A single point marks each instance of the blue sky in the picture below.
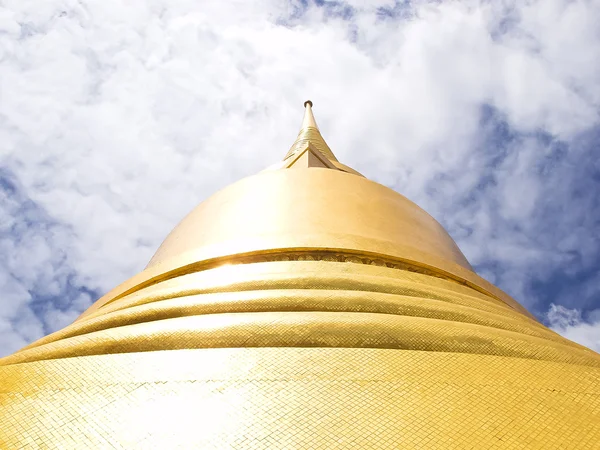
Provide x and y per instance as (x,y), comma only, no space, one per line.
(117,118)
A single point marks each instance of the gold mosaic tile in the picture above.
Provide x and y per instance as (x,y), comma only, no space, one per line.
(302,355)
(299,398)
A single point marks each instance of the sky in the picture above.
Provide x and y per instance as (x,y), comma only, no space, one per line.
(118,117)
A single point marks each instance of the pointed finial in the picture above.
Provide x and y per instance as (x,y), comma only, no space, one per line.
(309,118)
(310,134)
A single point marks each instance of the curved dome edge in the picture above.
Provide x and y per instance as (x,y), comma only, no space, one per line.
(294,204)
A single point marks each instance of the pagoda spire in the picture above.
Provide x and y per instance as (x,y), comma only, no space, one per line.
(310,135)
(309,119)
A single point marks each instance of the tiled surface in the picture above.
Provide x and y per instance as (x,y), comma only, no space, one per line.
(302,355)
(299,398)
(308,304)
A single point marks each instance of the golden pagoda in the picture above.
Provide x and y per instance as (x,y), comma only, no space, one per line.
(305,307)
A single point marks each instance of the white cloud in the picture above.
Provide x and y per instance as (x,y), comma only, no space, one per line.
(570,324)
(116,118)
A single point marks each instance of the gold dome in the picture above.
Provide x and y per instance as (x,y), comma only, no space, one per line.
(304,307)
